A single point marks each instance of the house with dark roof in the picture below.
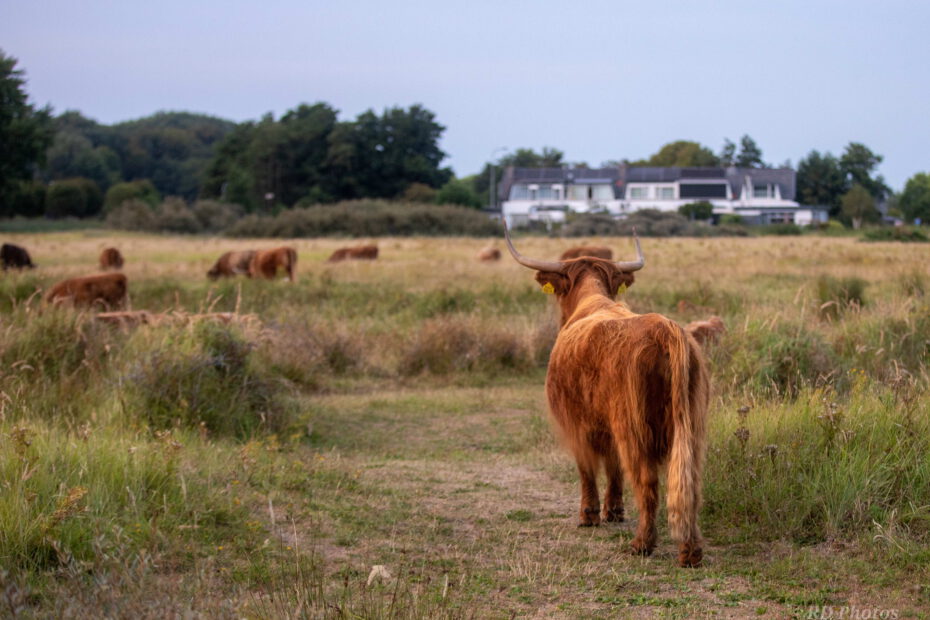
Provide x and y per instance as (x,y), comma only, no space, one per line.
(758,195)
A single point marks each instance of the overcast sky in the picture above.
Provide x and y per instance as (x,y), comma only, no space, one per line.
(599,80)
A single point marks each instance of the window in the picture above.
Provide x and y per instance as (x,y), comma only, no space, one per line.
(761,191)
(601,192)
(781,218)
(639,192)
(702,190)
(519,192)
(545,193)
(665,193)
(578,192)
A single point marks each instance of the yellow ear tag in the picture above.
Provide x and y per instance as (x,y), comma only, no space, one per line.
(548,289)
(622,289)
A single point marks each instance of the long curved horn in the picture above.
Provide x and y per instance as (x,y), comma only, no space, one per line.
(532,263)
(633,265)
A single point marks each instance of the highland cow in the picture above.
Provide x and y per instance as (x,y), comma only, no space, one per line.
(359,252)
(708,331)
(489,254)
(629,392)
(15,257)
(594,251)
(105,289)
(231,264)
(110,258)
(266,263)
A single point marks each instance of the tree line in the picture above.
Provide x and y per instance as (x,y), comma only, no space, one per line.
(70,165)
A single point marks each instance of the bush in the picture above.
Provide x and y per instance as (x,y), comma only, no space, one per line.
(368,218)
(587,225)
(132,214)
(173,215)
(836,295)
(701,210)
(905,234)
(781,230)
(77,197)
(216,216)
(457,192)
(205,375)
(119,193)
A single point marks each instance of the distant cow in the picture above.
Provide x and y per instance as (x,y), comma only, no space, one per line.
(706,331)
(105,289)
(597,251)
(489,254)
(363,252)
(231,264)
(110,258)
(15,257)
(266,263)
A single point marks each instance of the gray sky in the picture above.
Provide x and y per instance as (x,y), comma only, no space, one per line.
(599,80)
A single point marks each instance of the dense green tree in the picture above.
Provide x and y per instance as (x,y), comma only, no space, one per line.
(25,132)
(457,192)
(77,197)
(728,154)
(820,181)
(914,201)
(419,192)
(701,210)
(858,163)
(119,193)
(750,155)
(682,153)
(859,205)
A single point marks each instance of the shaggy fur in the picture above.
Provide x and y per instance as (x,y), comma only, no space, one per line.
(105,289)
(489,254)
(14,256)
(363,252)
(110,258)
(595,251)
(629,392)
(266,263)
(706,331)
(231,264)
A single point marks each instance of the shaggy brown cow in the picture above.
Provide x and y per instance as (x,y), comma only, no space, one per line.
(231,264)
(628,391)
(706,331)
(360,252)
(265,263)
(15,257)
(595,251)
(110,258)
(489,254)
(106,289)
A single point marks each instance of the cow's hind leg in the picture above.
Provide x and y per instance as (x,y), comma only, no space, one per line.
(645,478)
(613,497)
(590,511)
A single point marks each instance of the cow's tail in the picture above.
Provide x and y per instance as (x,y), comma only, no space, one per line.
(688,406)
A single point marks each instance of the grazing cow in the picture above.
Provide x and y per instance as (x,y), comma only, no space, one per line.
(360,252)
(706,331)
(106,289)
(596,251)
(489,254)
(15,257)
(265,263)
(628,391)
(231,264)
(110,258)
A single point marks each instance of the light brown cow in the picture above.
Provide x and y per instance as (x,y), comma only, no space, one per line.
(231,264)
(596,251)
(489,254)
(110,258)
(105,289)
(359,252)
(265,263)
(628,392)
(706,331)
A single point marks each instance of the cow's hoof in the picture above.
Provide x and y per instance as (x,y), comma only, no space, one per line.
(638,547)
(590,517)
(689,555)
(614,516)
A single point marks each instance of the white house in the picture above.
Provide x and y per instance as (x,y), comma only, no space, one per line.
(759,195)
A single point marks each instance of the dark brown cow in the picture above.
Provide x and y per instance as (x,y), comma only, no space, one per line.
(231,264)
(596,251)
(706,331)
(489,254)
(15,257)
(265,263)
(110,258)
(359,252)
(105,289)
(628,392)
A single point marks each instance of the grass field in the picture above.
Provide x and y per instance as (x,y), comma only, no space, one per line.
(391,414)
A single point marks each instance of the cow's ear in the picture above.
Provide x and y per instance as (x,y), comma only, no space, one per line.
(552,282)
(620,282)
